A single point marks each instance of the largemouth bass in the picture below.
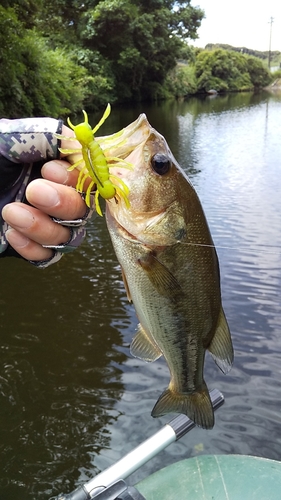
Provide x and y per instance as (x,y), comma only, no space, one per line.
(170,271)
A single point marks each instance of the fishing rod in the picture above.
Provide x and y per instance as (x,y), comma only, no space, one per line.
(110,484)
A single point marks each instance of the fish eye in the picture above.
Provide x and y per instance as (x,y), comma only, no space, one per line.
(161,163)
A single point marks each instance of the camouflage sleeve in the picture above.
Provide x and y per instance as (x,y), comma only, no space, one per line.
(29,140)
(25,145)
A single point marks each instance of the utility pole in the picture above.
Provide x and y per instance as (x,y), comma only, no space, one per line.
(270,32)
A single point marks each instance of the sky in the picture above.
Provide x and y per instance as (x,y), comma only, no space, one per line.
(241,23)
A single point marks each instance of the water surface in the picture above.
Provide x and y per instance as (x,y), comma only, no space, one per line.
(72,399)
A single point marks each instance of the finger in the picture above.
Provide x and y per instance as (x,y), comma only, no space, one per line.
(57,200)
(34,224)
(56,171)
(27,248)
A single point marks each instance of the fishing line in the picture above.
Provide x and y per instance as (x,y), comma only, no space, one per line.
(221,247)
(244,249)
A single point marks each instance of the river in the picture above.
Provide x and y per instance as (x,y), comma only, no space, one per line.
(72,399)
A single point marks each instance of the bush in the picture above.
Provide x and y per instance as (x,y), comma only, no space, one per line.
(276,74)
(34,79)
(11,62)
(225,70)
(260,76)
(181,81)
(56,84)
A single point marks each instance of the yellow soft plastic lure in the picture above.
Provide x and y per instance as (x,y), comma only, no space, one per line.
(95,164)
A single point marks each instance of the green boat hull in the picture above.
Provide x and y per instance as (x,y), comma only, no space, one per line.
(215,477)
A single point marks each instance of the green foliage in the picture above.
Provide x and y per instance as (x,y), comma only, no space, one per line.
(37,81)
(225,70)
(58,54)
(58,84)
(276,74)
(26,11)
(275,54)
(140,40)
(11,61)
(275,58)
(260,76)
(100,84)
(181,81)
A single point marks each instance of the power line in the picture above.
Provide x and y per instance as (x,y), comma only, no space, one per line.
(270,33)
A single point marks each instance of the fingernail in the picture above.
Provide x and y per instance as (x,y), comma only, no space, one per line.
(42,195)
(16,239)
(55,171)
(17,216)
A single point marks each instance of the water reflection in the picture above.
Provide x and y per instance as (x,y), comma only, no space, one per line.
(60,371)
(72,400)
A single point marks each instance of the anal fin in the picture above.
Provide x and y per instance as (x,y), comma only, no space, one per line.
(221,348)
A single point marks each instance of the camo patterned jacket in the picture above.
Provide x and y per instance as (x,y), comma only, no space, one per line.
(25,145)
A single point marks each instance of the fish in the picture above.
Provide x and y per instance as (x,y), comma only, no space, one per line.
(170,271)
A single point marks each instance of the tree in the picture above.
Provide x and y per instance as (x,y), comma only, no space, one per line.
(225,70)
(57,53)
(259,74)
(141,40)
(26,11)
(34,79)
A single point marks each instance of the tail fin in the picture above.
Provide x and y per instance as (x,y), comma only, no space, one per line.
(197,406)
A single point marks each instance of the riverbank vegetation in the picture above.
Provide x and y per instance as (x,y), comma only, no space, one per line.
(58,56)
(225,70)
(275,55)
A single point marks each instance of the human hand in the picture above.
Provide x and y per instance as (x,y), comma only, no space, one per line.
(31,226)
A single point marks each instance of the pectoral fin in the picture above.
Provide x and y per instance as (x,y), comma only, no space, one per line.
(160,276)
(221,347)
(143,346)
